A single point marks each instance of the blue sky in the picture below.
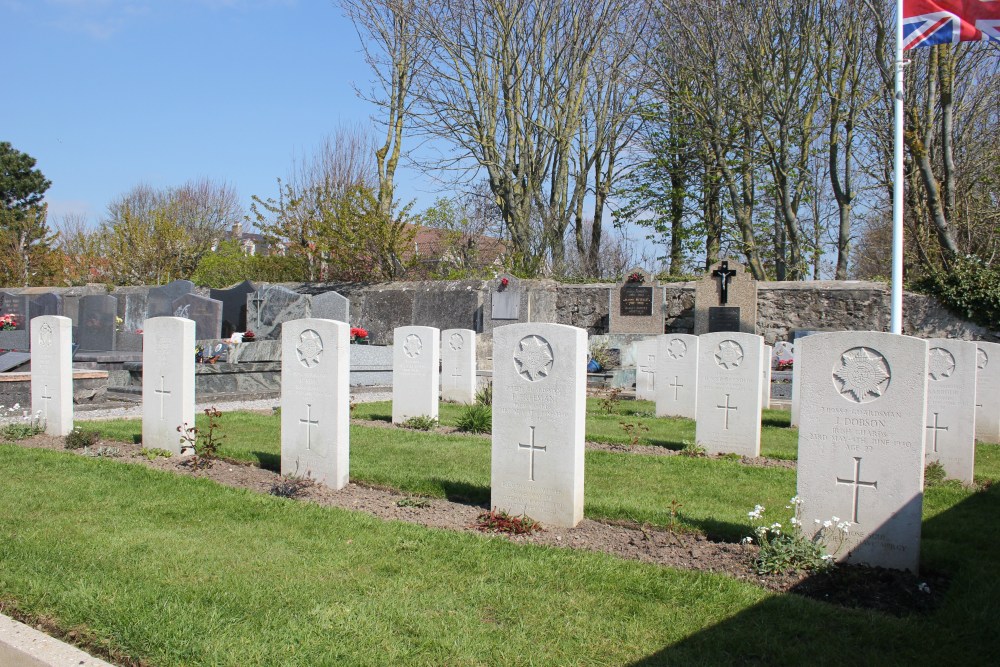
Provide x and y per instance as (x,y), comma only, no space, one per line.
(107,94)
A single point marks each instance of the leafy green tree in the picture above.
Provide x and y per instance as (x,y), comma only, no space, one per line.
(228,265)
(26,241)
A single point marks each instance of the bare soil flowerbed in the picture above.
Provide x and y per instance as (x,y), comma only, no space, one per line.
(893,592)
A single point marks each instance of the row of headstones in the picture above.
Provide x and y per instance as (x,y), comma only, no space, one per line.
(861,443)
(224,312)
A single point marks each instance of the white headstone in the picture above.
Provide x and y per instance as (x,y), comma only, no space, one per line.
(677,368)
(415,376)
(52,372)
(458,365)
(315,400)
(765,394)
(539,408)
(645,370)
(797,384)
(730,379)
(951,406)
(988,392)
(861,442)
(167,382)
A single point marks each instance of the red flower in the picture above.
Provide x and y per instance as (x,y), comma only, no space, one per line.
(358,332)
(504,282)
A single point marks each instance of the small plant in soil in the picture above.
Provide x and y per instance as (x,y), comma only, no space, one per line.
(102,452)
(502,522)
(19,424)
(484,395)
(784,549)
(153,453)
(291,487)
(475,419)
(934,474)
(632,431)
(79,438)
(610,400)
(204,441)
(692,449)
(419,503)
(420,423)
(675,512)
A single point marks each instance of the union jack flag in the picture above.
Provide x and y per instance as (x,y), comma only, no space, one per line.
(930,22)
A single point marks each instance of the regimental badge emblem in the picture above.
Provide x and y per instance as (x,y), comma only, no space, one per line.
(310,348)
(413,346)
(457,341)
(533,358)
(45,335)
(862,376)
(677,349)
(940,364)
(729,354)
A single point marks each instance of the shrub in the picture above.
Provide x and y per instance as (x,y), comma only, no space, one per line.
(632,431)
(934,474)
(693,449)
(79,438)
(784,549)
(22,430)
(291,487)
(420,423)
(205,442)
(970,289)
(484,395)
(476,419)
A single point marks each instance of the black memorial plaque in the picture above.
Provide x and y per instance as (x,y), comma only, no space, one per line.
(723,318)
(636,301)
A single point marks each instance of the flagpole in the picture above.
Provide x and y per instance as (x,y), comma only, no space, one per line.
(896,313)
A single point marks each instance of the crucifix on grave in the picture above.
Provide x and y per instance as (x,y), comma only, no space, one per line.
(532,448)
(724,274)
(727,408)
(676,384)
(309,422)
(163,394)
(257,300)
(857,484)
(935,428)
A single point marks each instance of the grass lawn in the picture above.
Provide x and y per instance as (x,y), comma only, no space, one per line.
(180,571)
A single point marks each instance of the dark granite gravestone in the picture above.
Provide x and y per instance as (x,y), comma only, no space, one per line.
(96,329)
(331,306)
(234,306)
(206,313)
(636,305)
(159,302)
(11,360)
(46,304)
(17,305)
(636,300)
(271,306)
(723,318)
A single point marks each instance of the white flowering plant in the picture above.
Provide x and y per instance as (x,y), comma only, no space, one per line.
(17,423)
(783,548)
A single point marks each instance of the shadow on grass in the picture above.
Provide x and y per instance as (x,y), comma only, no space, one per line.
(463,492)
(673,445)
(269,461)
(961,544)
(776,422)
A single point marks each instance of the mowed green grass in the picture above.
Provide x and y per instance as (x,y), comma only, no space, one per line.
(180,571)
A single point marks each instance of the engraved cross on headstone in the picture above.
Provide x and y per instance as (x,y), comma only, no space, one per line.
(46,396)
(727,408)
(257,300)
(650,370)
(309,423)
(936,427)
(456,374)
(724,274)
(163,394)
(676,384)
(532,448)
(857,484)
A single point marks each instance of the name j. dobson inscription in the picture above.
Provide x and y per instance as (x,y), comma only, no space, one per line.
(636,301)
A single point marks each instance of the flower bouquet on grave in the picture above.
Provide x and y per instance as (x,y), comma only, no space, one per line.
(359,336)
(249,337)
(8,322)
(636,278)
(784,365)
(504,282)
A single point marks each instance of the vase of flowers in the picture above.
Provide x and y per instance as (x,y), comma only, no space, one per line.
(249,337)
(359,336)
(8,322)
(635,278)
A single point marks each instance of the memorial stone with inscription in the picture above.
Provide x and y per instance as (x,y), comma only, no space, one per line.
(206,313)
(96,323)
(272,305)
(645,370)
(234,306)
(730,380)
(677,370)
(539,407)
(505,298)
(636,306)
(725,299)
(160,300)
(415,373)
(458,365)
(45,304)
(988,392)
(951,406)
(861,442)
(167,382)
(315,400)
(52,372)
(17,305)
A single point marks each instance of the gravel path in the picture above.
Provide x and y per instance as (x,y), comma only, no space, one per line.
(260,405)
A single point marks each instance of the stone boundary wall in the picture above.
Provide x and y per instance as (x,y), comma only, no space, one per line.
(782,307)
